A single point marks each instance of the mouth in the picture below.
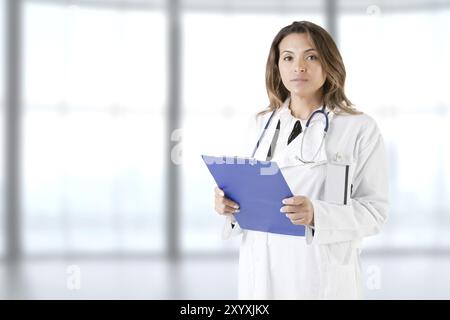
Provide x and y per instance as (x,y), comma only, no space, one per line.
(299,80)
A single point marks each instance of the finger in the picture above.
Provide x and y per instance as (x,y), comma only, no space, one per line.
(290,209)
(230,203)
(223,213)
(224,209)
(300,219)
(226,201)
(299,222)
(222,201)
(219,192)
(297,200)
(295,216)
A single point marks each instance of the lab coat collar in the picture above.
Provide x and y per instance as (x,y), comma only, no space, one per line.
(285,112)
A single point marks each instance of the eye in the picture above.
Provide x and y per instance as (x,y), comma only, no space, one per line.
(311,58)
(287,58)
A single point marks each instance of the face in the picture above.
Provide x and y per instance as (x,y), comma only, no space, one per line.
(300,68)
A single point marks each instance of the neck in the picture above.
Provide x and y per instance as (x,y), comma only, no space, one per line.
(302,107)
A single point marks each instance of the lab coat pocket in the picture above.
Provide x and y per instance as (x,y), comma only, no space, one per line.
(338,182)
(341,274)
(341,282)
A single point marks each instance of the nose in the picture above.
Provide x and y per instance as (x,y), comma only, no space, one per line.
(300,68)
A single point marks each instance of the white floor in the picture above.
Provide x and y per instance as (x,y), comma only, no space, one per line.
(386,277)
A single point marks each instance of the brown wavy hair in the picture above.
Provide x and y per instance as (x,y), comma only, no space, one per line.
(330,58)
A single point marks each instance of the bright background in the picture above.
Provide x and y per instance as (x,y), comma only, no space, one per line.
(106,99)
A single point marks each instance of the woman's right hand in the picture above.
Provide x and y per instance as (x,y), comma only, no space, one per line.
(224,205)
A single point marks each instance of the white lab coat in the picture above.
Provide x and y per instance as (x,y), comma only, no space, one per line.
(323,265)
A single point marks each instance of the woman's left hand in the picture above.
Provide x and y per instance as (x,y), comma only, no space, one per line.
(299,210)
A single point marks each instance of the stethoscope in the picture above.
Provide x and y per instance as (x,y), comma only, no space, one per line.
(316,113)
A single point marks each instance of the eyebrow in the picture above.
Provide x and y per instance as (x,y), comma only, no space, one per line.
(307,50)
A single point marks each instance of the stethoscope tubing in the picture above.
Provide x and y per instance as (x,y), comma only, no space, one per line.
(322,110)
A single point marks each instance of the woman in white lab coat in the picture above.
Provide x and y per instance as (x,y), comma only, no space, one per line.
(340,182)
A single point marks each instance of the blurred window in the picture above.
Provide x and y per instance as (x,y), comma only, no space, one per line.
(398,66)
(2,128)
(94,90)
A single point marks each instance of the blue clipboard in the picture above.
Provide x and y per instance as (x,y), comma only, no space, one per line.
(258,187)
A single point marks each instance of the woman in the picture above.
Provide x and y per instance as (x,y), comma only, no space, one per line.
(339,179)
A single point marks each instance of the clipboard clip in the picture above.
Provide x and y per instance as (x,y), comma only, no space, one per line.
(252,161)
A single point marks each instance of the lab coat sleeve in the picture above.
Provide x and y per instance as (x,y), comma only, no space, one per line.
(231,228)
(369,205)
